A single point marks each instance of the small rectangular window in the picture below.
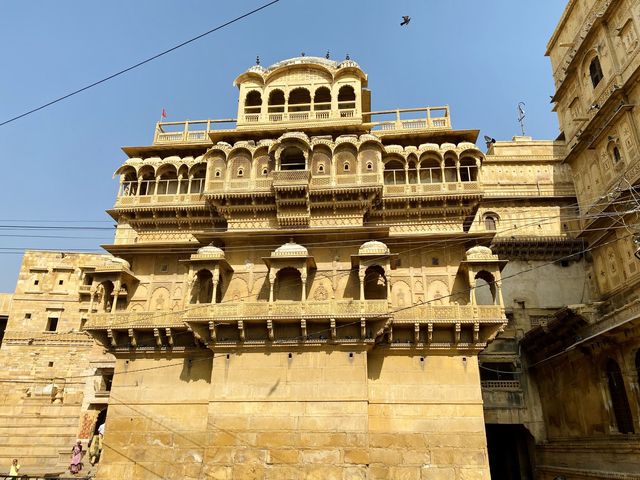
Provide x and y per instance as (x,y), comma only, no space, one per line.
(52,324)
(36,282)
(60,282)
(27,316)
(51,364)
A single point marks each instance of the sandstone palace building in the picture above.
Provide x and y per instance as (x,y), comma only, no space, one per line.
(319,290)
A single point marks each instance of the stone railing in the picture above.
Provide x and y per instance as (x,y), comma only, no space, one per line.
(308,309)
(291,178)
(448,313)
(501,384)
(529,189)
(189,131)
(344,180)
(431,188)
(433,118)
(157,319)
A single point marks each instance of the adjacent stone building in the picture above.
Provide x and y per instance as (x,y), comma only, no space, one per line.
(319,290)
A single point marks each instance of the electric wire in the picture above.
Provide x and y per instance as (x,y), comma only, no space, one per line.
(139,64)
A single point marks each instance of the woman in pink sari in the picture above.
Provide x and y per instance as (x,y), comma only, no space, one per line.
(76,458)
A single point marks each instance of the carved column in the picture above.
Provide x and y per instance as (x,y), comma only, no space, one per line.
(272,281)
(458,170)
(303,278)
(155,187)
(116,290)
(215,280)
(361,277)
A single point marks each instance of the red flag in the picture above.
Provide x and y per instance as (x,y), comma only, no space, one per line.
(164,113)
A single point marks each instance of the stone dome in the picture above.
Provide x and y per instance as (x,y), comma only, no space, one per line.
(257,69)
(479,252)
(291,249)
(211,251)
(348,63)
(373,247)
(120,261)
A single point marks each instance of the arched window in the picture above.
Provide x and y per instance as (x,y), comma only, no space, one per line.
(490,221)
(265,171)
(375,283)
(253,102)
(347,166)
(468,170)
(394,173)
(147,181)
(299,100)
(595,72)
(614,150)
(292,159)
(430,171)
(105,295)
(412,172)
(276,101)
(619,400)
(288,285)
(218,173)
(369,166)
(168,181)
(240,172)
(321,168)
(202,291)
(322,99)
(346,97)
(450,170)
(485,291)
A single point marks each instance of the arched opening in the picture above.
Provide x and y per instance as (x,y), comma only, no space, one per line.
(595,72)
(375,283)
(638,366)
(102,416)
(430,171)
(412,173)
(105,293)
(619,400)
(147,181)
(253,102)
(450,170)
(288,285)
(299,100)
(123,297)
(197,179)
(468,170)
(346,97)
(394,173)
(129,182)
(168,181)
(292,159)
(276,101)
(322,99)
(485,291)
(490,221)
(202,291)
(614,152)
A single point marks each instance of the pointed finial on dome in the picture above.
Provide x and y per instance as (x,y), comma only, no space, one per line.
(327,55)
(348,57)
(302,54)
(257,59)
(290,239)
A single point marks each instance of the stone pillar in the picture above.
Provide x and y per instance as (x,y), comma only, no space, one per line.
(215,280)
(303,277)
(116,290)
(361,277)
(458,170)
(272,281)
(155,187)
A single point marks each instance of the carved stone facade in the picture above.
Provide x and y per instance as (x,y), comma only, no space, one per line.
(320,291)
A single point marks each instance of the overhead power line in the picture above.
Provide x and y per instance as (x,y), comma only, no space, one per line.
(139,64)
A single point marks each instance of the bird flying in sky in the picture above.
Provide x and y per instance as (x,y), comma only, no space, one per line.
(405,20)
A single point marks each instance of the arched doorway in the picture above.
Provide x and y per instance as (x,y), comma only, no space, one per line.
(619,400)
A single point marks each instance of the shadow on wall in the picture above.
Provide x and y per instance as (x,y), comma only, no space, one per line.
(197,368)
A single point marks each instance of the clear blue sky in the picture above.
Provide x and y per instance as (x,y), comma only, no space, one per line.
(481,58)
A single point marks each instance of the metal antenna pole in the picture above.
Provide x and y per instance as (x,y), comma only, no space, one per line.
(521,116)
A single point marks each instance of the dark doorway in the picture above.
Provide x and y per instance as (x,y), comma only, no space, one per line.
(3,327)
(509,452)
(619,399)
(102,417)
